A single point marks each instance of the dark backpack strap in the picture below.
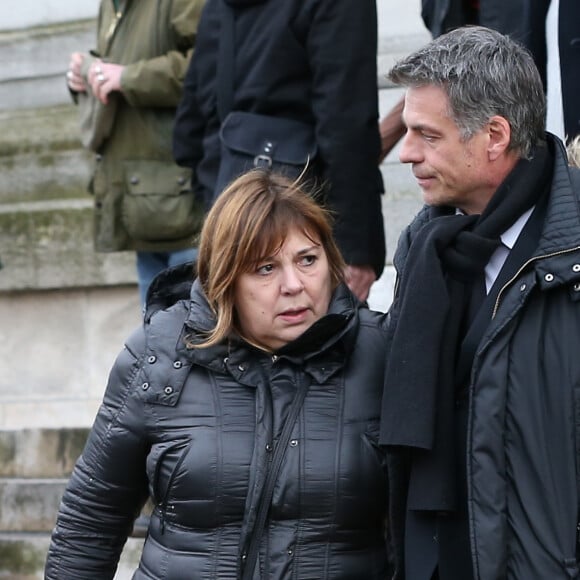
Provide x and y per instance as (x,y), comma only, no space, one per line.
(250,558)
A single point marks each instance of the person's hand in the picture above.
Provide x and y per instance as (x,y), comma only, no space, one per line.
(104,78)
(74,79)
(360,279)
(391,129)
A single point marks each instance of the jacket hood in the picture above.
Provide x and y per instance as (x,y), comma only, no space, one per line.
(336,328)
(168,287)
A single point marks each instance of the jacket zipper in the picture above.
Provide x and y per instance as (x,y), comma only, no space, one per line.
(165,500)
(522,268)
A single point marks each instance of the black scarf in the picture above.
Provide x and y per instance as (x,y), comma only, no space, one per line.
(426,329)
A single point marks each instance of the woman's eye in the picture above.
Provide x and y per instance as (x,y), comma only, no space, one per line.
(308,260)
(265,269)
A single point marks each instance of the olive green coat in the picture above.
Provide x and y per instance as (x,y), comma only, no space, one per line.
(141,196)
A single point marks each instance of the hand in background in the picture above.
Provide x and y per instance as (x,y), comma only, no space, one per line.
(74,77)
(391,129)
(360,279)
(104,78)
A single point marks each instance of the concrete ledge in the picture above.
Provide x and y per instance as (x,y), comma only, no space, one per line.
(36,453)
(29,505)
(48,245)
(57,350)
(22,556)
(34,62)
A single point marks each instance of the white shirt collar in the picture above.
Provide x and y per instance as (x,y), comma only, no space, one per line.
(510,236)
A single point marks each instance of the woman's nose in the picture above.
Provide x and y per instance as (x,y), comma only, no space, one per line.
(291,281)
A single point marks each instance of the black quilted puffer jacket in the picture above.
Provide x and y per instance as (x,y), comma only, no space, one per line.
(196,430)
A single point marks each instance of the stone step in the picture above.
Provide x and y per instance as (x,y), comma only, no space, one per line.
(29,505)
(46,245)
(40,453)
(41,157)
(35,60)
(22,556)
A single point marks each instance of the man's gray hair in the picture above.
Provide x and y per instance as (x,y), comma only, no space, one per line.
(483,73)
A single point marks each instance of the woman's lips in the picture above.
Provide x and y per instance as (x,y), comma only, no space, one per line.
(294,315)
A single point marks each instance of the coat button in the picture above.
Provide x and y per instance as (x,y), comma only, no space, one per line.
(151,359)
(241,368)
(134,180)
(549,277)
(577,287)
(168,390)
(268,447)
(290,551)
(294,443)
(145,386)
(523,287)
(177,364)
(576,268)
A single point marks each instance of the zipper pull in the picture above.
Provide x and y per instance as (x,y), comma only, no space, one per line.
(113,26)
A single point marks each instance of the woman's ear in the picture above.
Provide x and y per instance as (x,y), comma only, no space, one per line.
(499,133)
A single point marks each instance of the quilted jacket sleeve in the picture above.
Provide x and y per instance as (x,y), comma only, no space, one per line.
(108,486)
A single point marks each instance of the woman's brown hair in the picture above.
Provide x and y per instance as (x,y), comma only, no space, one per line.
(248,221)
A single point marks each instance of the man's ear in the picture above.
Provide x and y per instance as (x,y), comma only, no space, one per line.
(499,132)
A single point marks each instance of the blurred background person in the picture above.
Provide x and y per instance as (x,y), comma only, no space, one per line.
(311,66)
(142,199)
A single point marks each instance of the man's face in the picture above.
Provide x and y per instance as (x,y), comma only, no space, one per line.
(449,171)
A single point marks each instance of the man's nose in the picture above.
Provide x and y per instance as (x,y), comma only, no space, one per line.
(409,151)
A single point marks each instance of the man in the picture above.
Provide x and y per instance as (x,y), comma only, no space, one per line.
(482,390)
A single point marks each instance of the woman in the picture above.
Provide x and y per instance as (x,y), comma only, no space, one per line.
(203,411)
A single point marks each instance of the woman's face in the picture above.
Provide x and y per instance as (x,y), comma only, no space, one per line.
(285,294)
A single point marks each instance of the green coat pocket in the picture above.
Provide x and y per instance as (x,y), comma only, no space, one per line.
(159,204)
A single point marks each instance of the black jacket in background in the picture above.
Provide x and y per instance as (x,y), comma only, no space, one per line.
(309,60)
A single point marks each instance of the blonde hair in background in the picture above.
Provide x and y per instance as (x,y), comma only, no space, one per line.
(248,222)
(573,150)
